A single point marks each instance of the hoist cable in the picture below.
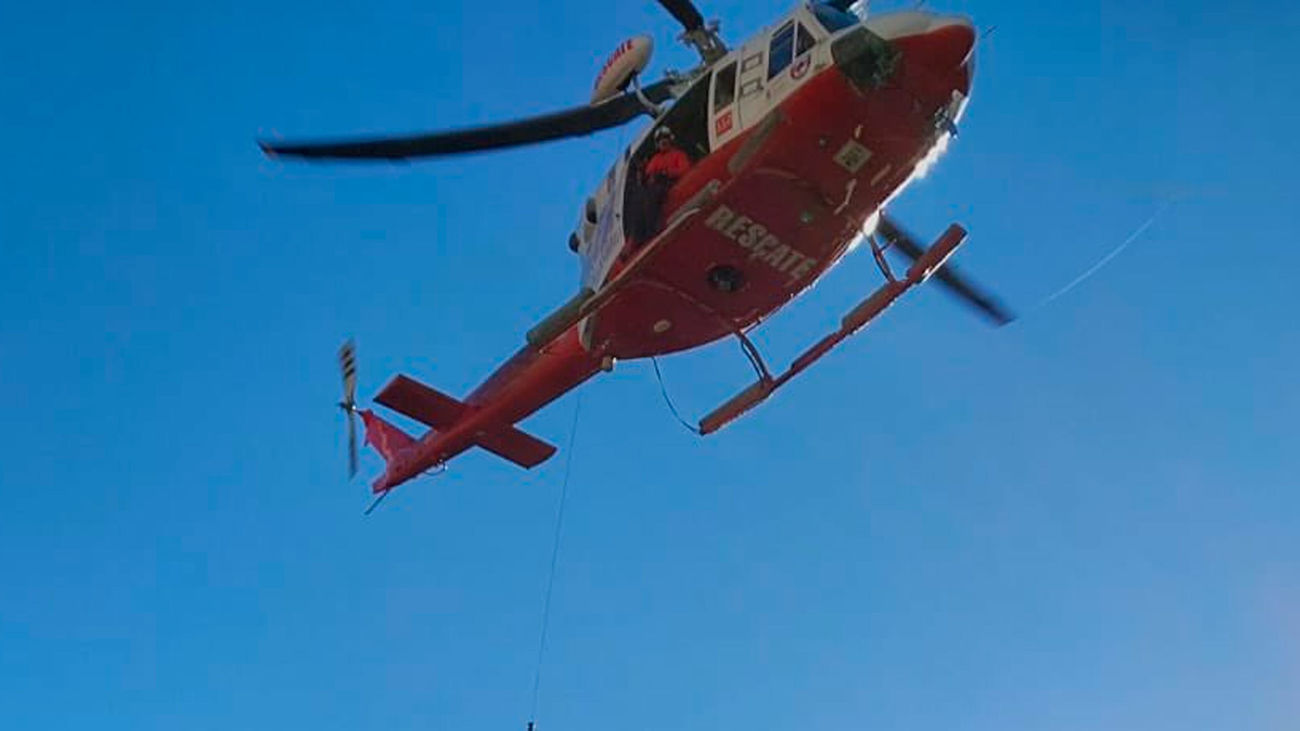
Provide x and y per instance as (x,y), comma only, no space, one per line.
(555,555)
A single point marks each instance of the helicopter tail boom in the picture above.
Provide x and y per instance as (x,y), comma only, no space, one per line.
(441,412)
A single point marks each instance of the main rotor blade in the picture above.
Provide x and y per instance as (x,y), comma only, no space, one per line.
(573,122)
(685,12)
(948,275)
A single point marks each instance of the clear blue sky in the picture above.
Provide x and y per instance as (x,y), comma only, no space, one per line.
(1086,520)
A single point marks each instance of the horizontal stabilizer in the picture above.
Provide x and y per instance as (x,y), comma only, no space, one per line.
(411,398)
(512,444)
(441,412)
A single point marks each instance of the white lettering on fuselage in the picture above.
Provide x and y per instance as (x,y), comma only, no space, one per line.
(761,245)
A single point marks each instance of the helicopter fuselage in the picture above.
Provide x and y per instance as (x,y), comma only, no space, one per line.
(798,138)
(800,161)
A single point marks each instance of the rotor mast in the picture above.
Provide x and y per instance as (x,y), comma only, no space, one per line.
(701,36)
(706,41)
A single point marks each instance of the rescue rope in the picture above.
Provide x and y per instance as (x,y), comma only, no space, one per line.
(555,554)
(669,401)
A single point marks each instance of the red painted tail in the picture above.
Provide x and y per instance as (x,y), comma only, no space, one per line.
(444,413)
(387,439)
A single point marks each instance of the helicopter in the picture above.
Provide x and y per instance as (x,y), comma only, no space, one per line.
(790,145)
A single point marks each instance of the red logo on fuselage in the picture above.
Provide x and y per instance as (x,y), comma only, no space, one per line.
(723,123)
(801,66)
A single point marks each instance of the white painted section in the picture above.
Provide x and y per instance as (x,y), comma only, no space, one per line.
(601,247)
(724,120)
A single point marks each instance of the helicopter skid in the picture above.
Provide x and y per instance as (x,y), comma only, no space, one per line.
(856,319)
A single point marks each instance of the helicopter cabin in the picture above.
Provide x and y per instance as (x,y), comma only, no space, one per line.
(740,89)
(733,95)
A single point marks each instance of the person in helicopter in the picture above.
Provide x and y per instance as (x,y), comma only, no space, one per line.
(669,161)
(664,168)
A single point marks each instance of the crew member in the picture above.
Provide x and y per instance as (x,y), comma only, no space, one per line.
(668,164)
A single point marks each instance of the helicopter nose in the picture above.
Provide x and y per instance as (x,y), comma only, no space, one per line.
(941,43)
(950,44)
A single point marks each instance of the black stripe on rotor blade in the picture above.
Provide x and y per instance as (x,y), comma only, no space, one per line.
(948,275)
(685,12)
(574,122)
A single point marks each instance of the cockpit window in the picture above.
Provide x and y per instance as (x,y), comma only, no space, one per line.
(781,52)
(833,19)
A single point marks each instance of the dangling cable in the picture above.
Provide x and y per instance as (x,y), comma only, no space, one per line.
(668,399)
(1134,236)
(555,554)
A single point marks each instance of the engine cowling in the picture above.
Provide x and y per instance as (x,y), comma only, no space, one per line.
(630,58)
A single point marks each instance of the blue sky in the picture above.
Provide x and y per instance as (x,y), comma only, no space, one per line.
(1086,520)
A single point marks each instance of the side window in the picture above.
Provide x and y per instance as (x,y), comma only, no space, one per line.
(781,52)
(724,87)
(806,41)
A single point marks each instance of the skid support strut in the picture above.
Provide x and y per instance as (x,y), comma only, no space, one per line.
(857,318)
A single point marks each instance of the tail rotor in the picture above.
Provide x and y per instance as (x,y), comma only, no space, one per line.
(348,365)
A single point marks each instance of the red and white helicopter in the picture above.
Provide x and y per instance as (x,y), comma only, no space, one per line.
(795,141)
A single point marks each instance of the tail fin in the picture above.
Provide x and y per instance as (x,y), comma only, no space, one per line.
(387,439)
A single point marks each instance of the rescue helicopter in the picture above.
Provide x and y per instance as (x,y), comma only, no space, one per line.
(782,154)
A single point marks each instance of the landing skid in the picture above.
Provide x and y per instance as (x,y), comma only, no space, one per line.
(857,318)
